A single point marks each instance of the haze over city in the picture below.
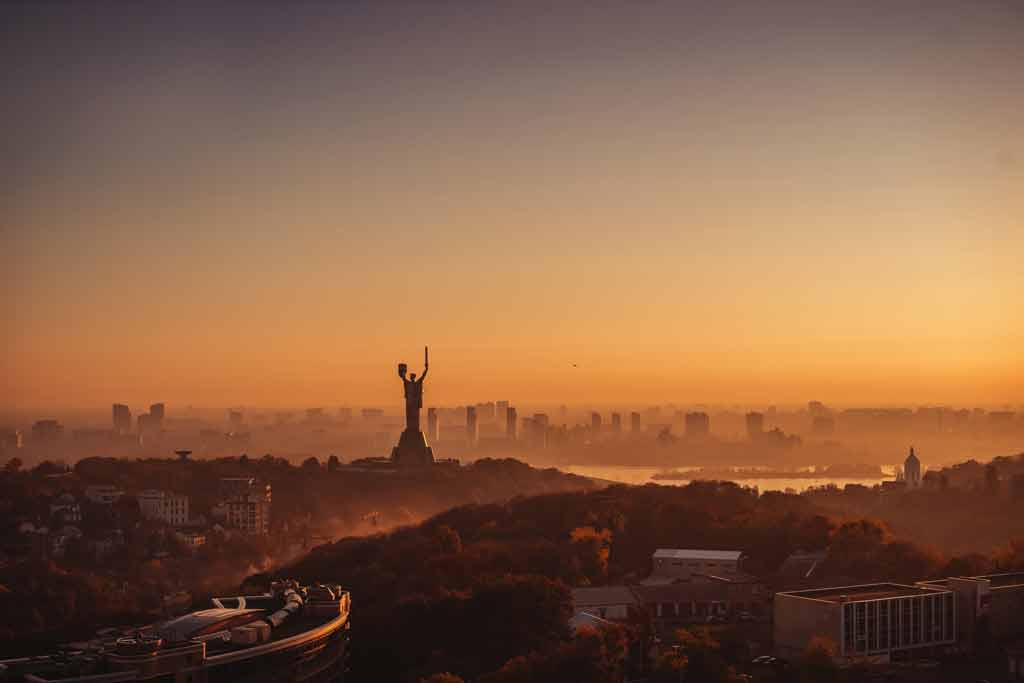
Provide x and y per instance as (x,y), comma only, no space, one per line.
(582,204)
(512,342)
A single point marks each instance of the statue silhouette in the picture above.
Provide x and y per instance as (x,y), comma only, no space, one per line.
(414,393)
(412,448)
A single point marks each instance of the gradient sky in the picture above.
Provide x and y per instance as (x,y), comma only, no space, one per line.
(272,204)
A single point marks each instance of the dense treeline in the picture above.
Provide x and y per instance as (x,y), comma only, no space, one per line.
(45,600)
(963,509)
(416,588)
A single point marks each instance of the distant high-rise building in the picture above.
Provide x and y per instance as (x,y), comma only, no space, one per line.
(10,439)
(122,417)
(372,414)
(912,470)
(634,422)
(147,423)
(485,411)
(537,430)
(755,425)
(157,411)
(471,428)
(511,423)
(595,423)
(235,419)
(698,424)
(823,424)
(46,431)
(616,423)
(501,411)
(432,424)
(816,408)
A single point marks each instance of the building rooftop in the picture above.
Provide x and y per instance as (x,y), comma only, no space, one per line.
(1007,580)
(1004,580)
(690,554)
(603,595)
(870,591)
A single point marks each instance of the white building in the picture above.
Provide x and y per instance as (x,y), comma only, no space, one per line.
(171,508)
(103,494)
(682,563)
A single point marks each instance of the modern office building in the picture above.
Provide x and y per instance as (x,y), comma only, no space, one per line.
(511,424)
(595,423)
(879,622)
(698,424)
(157,410)
(634,422)
(995,600)
(616,423)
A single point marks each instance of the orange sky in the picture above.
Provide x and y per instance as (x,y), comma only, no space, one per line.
(760,205)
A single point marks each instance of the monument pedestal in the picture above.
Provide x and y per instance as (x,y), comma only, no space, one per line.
(412,449)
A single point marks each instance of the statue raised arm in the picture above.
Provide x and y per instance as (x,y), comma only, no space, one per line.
(426,365)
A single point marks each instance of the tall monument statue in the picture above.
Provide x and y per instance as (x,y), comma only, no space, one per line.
(412,448)
(414,392)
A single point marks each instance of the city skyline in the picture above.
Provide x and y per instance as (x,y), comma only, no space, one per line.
(739,204)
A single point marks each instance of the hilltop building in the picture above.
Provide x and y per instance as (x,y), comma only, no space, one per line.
(245,503)
(912,470)
(164,506)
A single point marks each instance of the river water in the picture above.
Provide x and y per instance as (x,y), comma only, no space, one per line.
(642,475)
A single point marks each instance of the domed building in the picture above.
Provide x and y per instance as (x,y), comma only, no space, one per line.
(912,470)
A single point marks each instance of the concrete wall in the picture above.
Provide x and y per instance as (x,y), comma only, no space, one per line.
(798,620)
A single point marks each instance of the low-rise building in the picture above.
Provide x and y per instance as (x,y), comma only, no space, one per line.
(103,494)
(880,621)
(996,600)
(606,602)
(682,563)
(671,605)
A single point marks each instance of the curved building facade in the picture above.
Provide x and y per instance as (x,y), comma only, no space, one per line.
(292,633)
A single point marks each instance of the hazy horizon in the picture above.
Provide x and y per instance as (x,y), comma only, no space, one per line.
(595,203)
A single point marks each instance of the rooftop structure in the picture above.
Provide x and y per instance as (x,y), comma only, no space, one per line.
(689,554)
(878,621)
(293,632)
